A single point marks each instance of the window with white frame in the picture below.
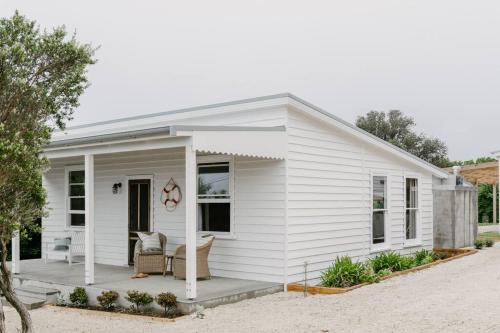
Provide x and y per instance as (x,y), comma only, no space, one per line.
(214,196)
(76,197)
(379,209)
(412,207)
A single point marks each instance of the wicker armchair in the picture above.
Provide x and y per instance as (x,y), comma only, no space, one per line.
(150,262)
(202,270)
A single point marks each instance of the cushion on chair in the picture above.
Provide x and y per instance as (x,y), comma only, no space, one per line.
(61,244)
(151,242)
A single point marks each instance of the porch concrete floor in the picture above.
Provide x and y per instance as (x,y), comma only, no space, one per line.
(119,279)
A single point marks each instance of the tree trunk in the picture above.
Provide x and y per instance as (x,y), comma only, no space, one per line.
(2,319)
(10,296)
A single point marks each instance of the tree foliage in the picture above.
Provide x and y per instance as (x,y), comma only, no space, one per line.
(485,203)
(42,75)
(476,161)
(398,129)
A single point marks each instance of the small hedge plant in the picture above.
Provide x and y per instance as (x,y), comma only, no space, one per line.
(345,273)
(489,242)
(424,257)
(79,297)
(392,261)
(138,299)
(168,302)
(107,299)
(479,244)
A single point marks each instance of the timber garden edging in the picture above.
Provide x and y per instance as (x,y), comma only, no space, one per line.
(455,254)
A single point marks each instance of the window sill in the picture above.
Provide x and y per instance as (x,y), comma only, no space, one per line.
(74,228)
(377,249)
(217,235)
(413,243)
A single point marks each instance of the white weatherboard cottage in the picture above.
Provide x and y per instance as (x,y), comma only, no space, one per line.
(288,183)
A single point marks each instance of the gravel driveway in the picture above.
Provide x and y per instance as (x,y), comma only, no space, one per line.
(459,296)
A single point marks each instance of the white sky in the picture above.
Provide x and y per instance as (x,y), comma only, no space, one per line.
(438,61)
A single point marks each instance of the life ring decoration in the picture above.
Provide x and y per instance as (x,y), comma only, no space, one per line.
(171,195)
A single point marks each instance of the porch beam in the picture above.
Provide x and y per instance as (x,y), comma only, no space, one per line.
(115,147)
(89,219)
(190,201)
(16,253)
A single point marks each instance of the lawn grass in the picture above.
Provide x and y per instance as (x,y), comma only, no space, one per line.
(490,235)
(487,224)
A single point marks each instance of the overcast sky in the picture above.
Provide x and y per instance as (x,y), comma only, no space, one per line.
(437,61)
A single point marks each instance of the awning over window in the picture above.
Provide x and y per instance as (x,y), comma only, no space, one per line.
(262,142)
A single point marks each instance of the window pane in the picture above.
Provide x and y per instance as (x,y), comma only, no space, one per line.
(77,219)
(214,217)
(411,224)
(213,180)
(379,192)
(77,203)
(77,176)
(411,193)
(77,190)
(378,227)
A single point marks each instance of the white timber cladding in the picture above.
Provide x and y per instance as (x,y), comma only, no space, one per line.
(329,198)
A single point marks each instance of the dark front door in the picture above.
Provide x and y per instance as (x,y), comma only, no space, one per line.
(139,208)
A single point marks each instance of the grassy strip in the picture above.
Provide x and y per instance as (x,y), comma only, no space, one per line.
(495,236)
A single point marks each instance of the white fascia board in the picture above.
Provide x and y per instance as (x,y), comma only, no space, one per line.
(363,135)
(116,147)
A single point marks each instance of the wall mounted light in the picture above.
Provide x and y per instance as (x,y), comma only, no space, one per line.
(117,187)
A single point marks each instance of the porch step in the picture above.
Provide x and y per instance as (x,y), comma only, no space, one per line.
(29,302)
(34,291)
(34,297)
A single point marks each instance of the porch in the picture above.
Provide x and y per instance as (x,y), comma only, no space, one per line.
(64,278)
(84,196)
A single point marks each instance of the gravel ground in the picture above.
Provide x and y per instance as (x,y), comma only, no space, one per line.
(460,296)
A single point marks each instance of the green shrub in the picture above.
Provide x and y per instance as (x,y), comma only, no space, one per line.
(390,261)
(138,299)
(383,273)
(79,297)
(406,263)
(424,257)
(479,244)
(168,302)
(107,299)
(344,273)
(489,242)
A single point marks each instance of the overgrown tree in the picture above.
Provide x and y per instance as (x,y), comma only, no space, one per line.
(42,75)
(398,129)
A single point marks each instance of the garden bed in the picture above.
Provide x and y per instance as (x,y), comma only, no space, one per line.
(121,312)
(446,254)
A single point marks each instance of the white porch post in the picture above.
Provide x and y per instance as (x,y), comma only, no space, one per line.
(190,199)
(16,253)
(89,219)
